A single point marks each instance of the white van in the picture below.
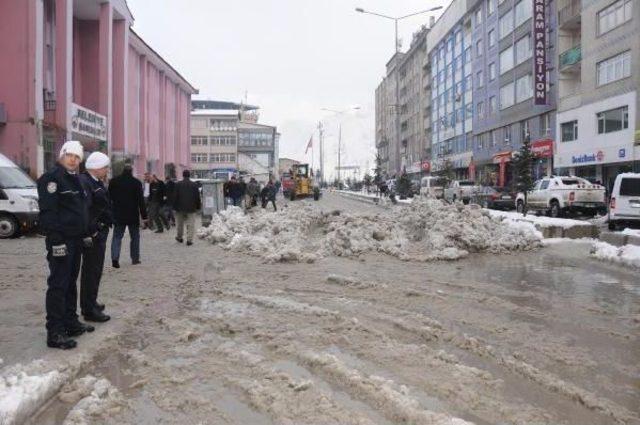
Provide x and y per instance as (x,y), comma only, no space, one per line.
(432,187)
(18,200)
(624,205)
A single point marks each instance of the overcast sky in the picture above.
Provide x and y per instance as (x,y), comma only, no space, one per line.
(291,57)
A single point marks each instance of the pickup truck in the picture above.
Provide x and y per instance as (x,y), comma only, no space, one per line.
(462,190)
(557,196)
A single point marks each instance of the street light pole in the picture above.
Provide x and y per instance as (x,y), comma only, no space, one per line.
(340,113)
(397,50)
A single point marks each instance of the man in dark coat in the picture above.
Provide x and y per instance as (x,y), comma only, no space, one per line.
(186,203)
(100,220)
(64,221)
(169,193)
(127,199)
(235,192)
(156,201)
(268,194)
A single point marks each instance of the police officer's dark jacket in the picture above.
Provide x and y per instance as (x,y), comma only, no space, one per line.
(98,203)
(63,205)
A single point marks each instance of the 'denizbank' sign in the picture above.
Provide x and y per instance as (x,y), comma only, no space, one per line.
(587,158)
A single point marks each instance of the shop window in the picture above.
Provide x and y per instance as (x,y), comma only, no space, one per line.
(569,131)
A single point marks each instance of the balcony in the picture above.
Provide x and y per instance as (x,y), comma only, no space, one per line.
(570,59)
(49,100)
(569,17)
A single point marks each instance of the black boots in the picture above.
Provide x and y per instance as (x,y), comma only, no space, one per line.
(78,329)
(115,264)
(97,316)
(59,340)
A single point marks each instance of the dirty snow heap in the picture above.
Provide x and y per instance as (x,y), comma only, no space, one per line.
(424,231)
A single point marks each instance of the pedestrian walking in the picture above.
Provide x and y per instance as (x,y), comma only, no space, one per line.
(64,221)
(128,206)
(235,192)
(268,194)
(253,191)
(186,203)
(100,220)
(243,190)
(169,193)
(156,201)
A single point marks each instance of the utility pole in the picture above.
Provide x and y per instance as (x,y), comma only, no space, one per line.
(321,140)
(339,149)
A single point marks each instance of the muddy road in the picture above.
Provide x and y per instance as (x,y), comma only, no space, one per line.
(202,335)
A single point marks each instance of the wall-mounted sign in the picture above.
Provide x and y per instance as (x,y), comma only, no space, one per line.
(540,52)
(88,123)
(542,148)
(588,158)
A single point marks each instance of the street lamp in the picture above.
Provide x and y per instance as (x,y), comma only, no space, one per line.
(337,112)
(396,19)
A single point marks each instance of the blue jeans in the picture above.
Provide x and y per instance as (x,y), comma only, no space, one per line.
(116,242)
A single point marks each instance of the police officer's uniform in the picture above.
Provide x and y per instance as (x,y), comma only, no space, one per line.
(100,219)
(64,221)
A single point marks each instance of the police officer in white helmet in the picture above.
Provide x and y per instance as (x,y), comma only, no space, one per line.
(64,221)
(100,220)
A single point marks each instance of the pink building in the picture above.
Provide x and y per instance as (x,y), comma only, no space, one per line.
(74,69)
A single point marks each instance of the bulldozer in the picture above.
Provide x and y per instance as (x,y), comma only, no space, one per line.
(303,183)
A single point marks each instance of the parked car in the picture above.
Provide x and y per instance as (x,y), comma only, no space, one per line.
(496,198)
(432,186)
(460,190)
(624,205)
(557,196)
(18,200)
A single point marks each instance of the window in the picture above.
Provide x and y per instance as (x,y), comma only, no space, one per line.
(630,186)
(198,140)
(506,24)
(545,125)
(480,109)
(478,16)
(492,71)
(491,7)
(223,125)
(480,141)
(506,96)
(468,111)
(467,83)
(524,130)
(492,38)
(507,135)
(613,120)
(615,68)
(458,37)
(614,15)
(493,138)
(467,55)
(524,9)
(506,60)
(544,185)
(569,131)
(480,78)
(523,49)
(223,157)
(479,48)
(524,88)
(199,157)
(493,105)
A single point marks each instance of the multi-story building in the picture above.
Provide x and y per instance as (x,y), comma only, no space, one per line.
(227,139)
(450,53)
(258,150)
(387,118)
(76,70)
(599,75)
(504,110)
(214,143)
(413,97)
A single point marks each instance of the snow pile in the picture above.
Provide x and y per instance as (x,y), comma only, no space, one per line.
(542,221)
(24,388)
(627,255)
(427,230)
(631,232)
(93,398)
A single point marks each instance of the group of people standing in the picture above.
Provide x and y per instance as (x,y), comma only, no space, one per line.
(236,191)
(77,210)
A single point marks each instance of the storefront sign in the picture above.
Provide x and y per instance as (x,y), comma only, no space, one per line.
(542,148)
(540,52)
(587,158)
(413,168)
(88,123)
(426,166)
(502,157)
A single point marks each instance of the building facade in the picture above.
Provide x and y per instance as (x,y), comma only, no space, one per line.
(83,74)
(387,118)
(230,141)
(214,143)
(504,111)
(598,109)
(450,53)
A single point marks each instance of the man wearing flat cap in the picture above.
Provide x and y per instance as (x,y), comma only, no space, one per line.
(100,220)
(64,221)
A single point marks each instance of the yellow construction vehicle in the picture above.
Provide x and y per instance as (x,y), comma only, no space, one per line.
(303,183)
